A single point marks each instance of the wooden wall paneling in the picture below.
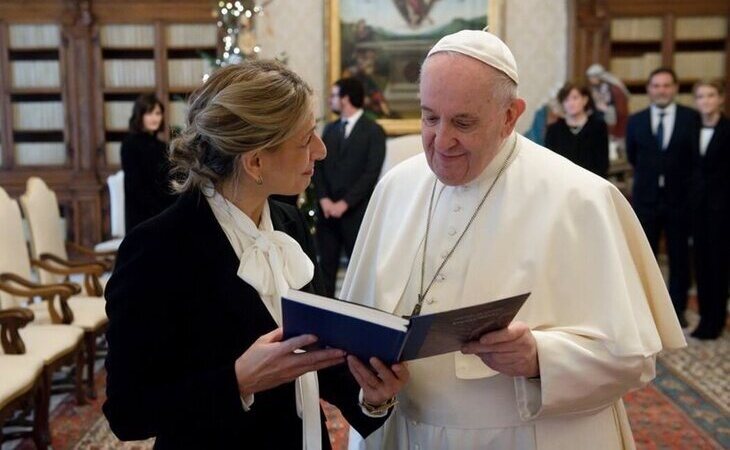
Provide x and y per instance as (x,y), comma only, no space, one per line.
(6,123)
(151,10)
(660,7)
(572,35)
(589,36)
(103,166)
(30,11)
(162,80)
(78,30)
(668,40)
(590,14)
(69,96)
(85,187)
(727,66)
(97,82)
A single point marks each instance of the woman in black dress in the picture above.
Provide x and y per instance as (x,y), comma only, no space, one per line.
(145,164)
(196,355)
(580,136)
(711,209)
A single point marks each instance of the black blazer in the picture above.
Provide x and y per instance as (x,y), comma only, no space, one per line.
(711,174)
(351,168)
(650,161)
(179,317)
(146,178)
(588,148)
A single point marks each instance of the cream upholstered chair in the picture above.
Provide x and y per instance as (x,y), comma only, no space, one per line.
(51,337)
(398,149)
(85,312)
(21,382)
(48,245)
(115,183)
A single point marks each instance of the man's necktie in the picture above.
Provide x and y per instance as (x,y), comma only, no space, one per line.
(341,136)
(660,131)
(343,127)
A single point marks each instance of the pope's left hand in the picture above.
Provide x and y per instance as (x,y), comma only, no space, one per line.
(511,351)
(380,385)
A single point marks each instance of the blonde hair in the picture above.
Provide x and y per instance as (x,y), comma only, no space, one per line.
(255,105)
(715,84)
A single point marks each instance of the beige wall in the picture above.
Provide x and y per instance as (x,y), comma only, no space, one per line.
(296,27)
(537,33)
(535,30)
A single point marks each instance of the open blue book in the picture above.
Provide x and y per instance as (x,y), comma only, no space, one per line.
(365,332)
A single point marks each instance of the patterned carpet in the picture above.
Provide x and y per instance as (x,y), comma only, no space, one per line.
(686,407)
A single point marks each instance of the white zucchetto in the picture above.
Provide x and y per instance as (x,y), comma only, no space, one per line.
(480,45)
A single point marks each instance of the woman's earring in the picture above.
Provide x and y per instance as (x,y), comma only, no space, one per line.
(259,180)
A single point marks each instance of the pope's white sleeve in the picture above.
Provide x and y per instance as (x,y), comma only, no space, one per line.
(578,375)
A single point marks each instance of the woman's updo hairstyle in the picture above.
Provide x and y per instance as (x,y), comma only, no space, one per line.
(255,105)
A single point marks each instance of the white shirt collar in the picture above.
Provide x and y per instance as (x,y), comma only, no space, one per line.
(669,110)
(351,121)
(271,261)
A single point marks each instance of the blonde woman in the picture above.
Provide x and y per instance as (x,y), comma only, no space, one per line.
(196,358)
(711,209)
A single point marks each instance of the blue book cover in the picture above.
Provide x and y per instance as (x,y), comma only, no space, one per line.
(365,332)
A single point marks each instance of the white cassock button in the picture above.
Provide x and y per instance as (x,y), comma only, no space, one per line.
(457,208)
(430,301)
(441,277)
(444,254)
(452,231)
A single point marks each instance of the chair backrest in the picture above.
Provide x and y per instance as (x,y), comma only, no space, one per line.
(398,149)
(116,203)
(13,248)
(40,208)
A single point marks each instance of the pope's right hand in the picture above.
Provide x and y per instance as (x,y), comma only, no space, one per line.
(270,362)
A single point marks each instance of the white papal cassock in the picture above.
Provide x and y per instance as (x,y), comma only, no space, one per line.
(599,309)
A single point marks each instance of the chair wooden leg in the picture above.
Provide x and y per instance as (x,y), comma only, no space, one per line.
(90,340)
(79,378)
(42,400)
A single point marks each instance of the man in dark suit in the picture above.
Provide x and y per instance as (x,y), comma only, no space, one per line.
(345,180)
(659,142)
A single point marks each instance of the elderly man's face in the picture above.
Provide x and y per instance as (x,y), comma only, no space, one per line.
(463,124)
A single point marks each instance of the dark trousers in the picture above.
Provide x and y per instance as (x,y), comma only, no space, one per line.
(334,236)
(712,266)
(675,224)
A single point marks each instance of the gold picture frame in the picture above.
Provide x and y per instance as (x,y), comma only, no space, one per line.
(396,121)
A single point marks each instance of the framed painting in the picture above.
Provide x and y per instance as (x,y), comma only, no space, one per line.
(384,42)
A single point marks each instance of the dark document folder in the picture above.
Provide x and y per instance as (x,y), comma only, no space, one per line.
(365,332)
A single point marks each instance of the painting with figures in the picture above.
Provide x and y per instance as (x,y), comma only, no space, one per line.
(384,42)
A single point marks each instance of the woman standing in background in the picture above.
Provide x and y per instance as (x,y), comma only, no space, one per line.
(145,164)
(711,209)
(580,136)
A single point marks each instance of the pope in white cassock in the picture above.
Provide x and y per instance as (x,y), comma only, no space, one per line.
(485,214)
